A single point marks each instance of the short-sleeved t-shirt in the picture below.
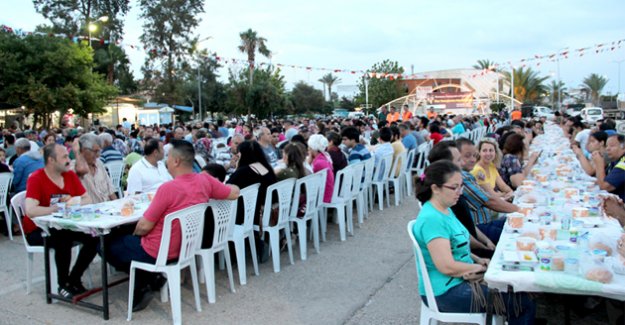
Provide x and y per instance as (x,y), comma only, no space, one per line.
(358,153)
(432,224)
(39,187)
(476,199)
(616,178)
(182,192)
(516,115)
(488,180)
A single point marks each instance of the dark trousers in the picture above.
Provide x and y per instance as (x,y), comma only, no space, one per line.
(493,229)
(62,241)
(458,300)
(122,249)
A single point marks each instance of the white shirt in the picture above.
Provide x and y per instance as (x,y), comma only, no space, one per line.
(144,177)
(582,137)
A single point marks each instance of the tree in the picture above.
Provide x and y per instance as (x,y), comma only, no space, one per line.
(167,31)
(556,89)
(594,83)
(328,80)
(485,65)
(347,103)
(306,99)
(213,91)
(49,74)
(250,42)
(265,97)
(528,85)
(382,90)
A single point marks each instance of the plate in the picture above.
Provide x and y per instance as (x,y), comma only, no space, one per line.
(519,257)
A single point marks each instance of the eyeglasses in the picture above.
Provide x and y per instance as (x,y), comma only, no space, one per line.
(97,152)
(457,188)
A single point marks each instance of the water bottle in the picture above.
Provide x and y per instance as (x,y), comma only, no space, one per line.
(565,222)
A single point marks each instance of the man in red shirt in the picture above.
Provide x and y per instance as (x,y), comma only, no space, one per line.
(185,190)
(56,183)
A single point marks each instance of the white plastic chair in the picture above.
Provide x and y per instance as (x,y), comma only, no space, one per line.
(284,191)
(311,183)
(341,198)
(191,222)
(396,175)
(5,183)
(367,192)
(224,212)
(357,192)
(116,170)
(407,173)
(382,184)
(246,231)
(430,311)
(200,161)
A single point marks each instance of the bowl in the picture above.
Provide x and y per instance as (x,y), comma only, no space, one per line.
(526,243)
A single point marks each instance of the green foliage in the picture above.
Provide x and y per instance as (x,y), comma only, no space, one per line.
(529,87)
(46,74)
(213,91)
(250,42)
(306,99)
(382,91)
(168,27)
(347,104)
(265,96)
(485,64)
(594,84)
(497,107)
(555,89)
(328,81)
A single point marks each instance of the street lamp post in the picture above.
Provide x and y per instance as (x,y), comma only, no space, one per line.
(92,27)
(199,78)
(512,89)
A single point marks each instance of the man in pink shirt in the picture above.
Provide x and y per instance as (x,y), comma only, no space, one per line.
(185,190)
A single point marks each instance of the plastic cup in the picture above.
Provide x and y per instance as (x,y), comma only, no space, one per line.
(515,220)
(580,212)
(571,266)
(526,243)
(545,257)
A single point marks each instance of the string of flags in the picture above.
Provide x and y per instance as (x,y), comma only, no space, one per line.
(526,62)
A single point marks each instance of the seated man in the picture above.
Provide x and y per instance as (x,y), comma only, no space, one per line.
(613,178)
(91,170)
(185,190)
(357,151)
(27,162)
(108,153)
(150,172)
(56,183)
(383,149)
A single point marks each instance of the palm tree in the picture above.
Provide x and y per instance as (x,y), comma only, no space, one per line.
(328,80)
(556,89)
(594,84)
(250,42)
(485,64)
(528,85)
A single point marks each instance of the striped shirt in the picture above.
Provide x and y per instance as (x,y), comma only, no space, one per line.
(98,185)
(476,199)
(358,153)
(109,154)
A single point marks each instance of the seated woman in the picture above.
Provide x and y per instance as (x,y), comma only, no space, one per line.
(293,157)
(596,142)
(455,273)
(512,170)
(317,145)
(485,171)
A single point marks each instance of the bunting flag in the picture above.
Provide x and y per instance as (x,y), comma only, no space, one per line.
(538,59)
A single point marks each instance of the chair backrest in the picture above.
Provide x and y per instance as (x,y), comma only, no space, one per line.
(422,269)
(5,183)
(397,164)
(311,184)
(116,169)
(249,195)
(323,178)
(284,191)
(224,212)
(369,171)
(200,161)
(357,173)
(343,184)
(18,205)
(191,227)
(410,160)
(421,157)
(385,165)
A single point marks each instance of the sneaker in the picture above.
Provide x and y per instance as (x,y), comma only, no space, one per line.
(66,291)
(142,299)
(78,288)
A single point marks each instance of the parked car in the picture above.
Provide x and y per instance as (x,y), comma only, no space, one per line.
(356,115)
(574,109)
(542,111)
(591,115)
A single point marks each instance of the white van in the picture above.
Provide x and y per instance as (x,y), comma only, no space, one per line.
(591,115)
(356,115)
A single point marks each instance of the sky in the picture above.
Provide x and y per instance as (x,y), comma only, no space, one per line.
(421,35)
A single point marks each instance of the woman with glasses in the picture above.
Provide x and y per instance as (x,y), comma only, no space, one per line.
(456,275)
(485,171)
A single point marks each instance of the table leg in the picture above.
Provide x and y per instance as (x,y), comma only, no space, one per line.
(105,284)
(46,259)
(567,310)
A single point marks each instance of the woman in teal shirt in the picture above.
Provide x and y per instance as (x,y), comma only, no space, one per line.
(444,242)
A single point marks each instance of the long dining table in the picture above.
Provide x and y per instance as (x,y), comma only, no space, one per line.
(97,220)
(561,242)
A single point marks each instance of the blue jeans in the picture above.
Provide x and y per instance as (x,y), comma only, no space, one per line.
(122,250)
(493,229)
(458,300)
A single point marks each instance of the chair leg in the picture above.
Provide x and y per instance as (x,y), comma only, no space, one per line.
(208,264)
(196,286)
(388,194)
(239,250)
(29,272)
(350,218)
(315,229)
(301,230)
(173,282)
(397,191)
(253,250)
(131,291)
(9,219)
(274,241)
(289,243)
(323,220)
(360,207)
(341,218)
(229,267)
(380,197)
(54,286)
